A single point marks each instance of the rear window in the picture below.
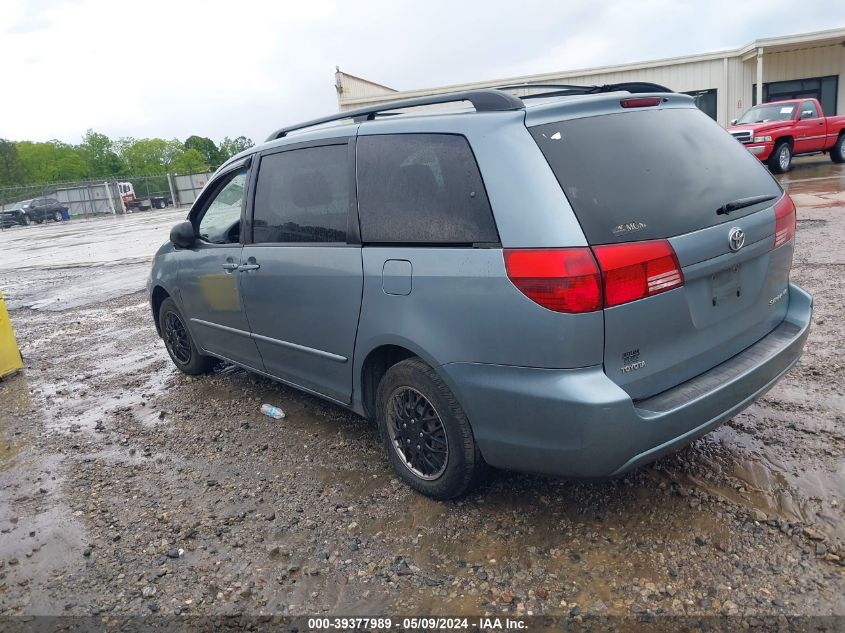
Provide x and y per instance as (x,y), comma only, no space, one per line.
(651,173)
(421,188)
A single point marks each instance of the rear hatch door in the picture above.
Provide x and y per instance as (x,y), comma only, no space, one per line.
(660,173)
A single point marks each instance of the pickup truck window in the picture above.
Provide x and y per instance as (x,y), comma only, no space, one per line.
(809,111)
(768,112)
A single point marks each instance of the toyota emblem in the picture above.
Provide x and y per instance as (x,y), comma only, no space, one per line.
(736,238)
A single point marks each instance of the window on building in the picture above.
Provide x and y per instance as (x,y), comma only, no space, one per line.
(421,189)
(822,88)
(705,100)
(302,196)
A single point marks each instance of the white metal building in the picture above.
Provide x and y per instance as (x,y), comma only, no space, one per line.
(724,83)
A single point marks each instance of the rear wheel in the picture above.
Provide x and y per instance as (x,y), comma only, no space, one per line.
(837,152)
(426,433)
(781,158)
(177,339)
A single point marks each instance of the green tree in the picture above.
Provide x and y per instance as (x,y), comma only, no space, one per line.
(191,161)
(149,156)
(206,147)
(231,146)
(98,152)
(53,161)
(11,169)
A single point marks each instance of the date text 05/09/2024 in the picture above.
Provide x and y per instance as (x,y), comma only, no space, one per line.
(412,624)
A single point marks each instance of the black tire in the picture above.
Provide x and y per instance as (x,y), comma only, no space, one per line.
(180,346)
(26,220)
(445,424)
(780,160)
(57,216)
(837,152)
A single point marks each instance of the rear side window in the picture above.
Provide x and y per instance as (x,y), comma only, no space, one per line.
(650,174)
(302,196)
(421,189)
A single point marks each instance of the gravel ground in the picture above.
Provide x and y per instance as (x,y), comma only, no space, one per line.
(130,489)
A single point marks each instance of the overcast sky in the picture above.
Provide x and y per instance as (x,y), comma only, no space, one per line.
(172,68)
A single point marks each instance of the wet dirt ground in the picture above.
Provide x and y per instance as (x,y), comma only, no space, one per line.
(130,489)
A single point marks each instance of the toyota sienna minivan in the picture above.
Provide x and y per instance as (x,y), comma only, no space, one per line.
(575,282)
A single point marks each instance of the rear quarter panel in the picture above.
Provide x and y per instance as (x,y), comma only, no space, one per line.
(461,306)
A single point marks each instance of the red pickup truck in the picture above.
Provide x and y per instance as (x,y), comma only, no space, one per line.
(775,132)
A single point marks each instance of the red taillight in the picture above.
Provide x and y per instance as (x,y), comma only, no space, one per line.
(639,102)
(784,220)
(636,270)
(560,279)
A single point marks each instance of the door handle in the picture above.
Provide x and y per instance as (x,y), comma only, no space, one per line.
(230,266)
(245,267)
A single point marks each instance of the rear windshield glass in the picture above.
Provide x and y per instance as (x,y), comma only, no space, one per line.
(650,174)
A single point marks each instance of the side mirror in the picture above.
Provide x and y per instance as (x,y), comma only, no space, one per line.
(807,114)
(182,235)
(733,121)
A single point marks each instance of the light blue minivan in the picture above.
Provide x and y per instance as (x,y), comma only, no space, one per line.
(574,282)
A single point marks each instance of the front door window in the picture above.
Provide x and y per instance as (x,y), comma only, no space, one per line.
(221,222)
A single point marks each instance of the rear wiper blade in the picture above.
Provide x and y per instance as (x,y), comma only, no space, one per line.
(735,205)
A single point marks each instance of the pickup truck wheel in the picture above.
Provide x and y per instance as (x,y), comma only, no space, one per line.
(426,433)
(26,220)
(781,158)
(177,339)
(57,216)
(837,152)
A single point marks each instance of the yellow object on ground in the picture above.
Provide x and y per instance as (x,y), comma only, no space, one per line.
(10,356)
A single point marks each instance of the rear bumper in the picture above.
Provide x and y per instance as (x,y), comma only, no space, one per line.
(579,423)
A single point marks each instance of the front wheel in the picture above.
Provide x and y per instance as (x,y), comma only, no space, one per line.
(27,220)
(57,216)
(425,431)
(781,158)
(177,339)
(837,153)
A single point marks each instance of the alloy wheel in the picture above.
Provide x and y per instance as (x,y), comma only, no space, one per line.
(417,433)
(176,338)
(783,157)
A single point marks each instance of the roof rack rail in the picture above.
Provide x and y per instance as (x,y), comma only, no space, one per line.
(486,100)
(560,90)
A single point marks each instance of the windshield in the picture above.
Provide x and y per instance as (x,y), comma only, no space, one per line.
(768,112)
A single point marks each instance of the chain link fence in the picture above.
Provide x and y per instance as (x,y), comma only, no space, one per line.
(114,196)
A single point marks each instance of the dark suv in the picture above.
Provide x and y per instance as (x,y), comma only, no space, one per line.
(574,285)
(43,209)
(37,210)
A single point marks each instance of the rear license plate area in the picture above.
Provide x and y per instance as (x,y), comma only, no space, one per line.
(725,286)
